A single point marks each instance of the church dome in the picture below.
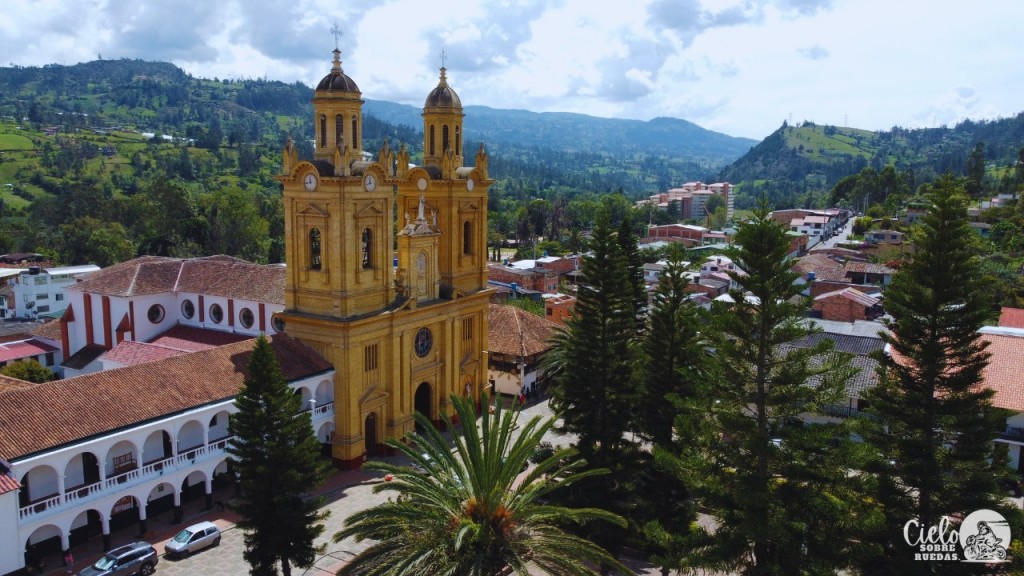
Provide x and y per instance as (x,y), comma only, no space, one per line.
(443,96)
(337,80)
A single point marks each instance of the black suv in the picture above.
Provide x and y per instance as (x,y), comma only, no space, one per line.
(136,558)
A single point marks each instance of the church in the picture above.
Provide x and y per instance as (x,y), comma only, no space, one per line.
(398,308)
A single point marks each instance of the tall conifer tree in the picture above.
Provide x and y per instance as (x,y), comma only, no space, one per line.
(935,424)
(777,488)
(277,459)
(671,368)
(591,365)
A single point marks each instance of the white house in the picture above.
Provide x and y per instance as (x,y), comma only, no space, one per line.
(36,291)
(111,449)
(142,299)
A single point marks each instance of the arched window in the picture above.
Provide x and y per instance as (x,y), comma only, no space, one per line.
(323,131)
(467,237)
(355,135)
(314,249)
(431,140)
(339,130)
(444,138)
(458,141)
(367,248)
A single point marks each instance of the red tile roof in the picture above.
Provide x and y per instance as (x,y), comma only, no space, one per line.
(1003,373)
(867,268)
(49,330)
(45,416)
(12,351)
(8,383)
(515,332)
(130,353)
(214,276)
(1011,317)
(8,483)
(851,294)
(824,268)
(193,339)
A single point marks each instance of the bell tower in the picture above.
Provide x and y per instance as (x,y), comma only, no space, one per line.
(455,194)
(400,341)
(338,216)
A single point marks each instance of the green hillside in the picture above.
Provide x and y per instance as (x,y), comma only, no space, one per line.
(800,165)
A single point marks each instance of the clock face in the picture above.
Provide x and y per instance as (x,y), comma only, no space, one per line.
(310,182)
(370,182)
(469,184)
(424,342)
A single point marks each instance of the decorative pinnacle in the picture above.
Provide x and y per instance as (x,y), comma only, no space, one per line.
(336,67)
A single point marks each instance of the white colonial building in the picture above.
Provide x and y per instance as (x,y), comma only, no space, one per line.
(84,456)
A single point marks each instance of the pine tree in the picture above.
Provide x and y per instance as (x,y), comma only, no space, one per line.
(634,265)
(590,366)
(935,424)
(673,363)
(277,459)
(777,488)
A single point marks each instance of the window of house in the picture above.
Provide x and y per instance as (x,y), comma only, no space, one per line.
(278,324)
(246,317)
(155,314)
(216,313)
(467,237)
(323,131)
(444,138)
(314,249)
(42,309)
(458,141)
(355,136)
(549,311)
(431,140)
(370,358)
(188,309)
(42,296)
(467,329)
(339,130)
(58,297)
(49,358)
(367,248)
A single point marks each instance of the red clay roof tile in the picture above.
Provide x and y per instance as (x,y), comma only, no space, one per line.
(61,412)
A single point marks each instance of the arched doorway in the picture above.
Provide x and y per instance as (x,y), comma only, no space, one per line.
(370,433)
(423,404)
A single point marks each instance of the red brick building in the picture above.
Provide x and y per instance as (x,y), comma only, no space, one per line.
(847,305)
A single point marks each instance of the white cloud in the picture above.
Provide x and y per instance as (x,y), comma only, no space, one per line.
(737,66)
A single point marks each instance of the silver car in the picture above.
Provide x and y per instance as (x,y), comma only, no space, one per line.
(193,539)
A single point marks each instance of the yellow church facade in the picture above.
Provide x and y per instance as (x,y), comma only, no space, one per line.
(399,308)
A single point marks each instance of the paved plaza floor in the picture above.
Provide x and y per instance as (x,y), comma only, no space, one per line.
(345,492)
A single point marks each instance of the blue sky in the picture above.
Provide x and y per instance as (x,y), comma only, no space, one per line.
(738,67)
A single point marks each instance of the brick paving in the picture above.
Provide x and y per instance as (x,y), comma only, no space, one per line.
(345,492)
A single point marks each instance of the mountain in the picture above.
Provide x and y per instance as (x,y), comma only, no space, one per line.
(572,132)
(810,158)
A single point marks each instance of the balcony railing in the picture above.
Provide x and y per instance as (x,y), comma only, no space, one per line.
(1013,433)
(324,409)
(81,494)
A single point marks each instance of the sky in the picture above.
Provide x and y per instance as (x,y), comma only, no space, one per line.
(740,67)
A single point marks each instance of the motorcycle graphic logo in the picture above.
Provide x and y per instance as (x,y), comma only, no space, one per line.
(984,536)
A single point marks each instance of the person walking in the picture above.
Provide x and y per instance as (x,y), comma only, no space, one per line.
(69,562)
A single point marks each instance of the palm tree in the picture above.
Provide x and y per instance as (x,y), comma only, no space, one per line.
(466,511)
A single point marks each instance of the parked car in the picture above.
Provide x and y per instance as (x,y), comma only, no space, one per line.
(193,539)
(136,558)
